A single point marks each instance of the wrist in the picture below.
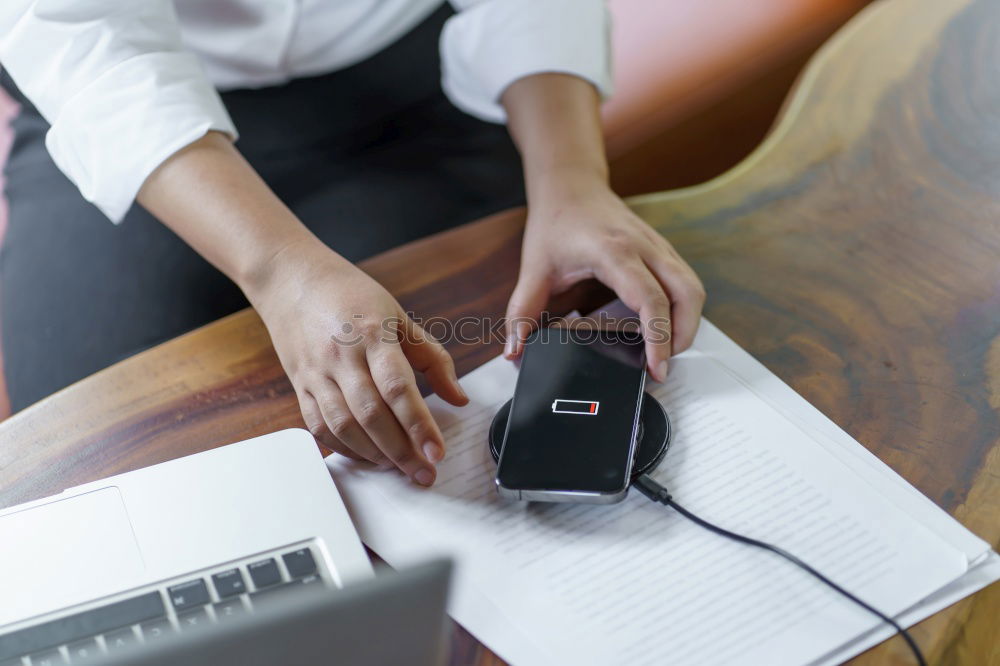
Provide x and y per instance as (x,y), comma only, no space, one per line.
(286,264)
(557,186)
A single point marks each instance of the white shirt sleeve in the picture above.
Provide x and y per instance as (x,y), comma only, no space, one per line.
(490,44)
(116,85)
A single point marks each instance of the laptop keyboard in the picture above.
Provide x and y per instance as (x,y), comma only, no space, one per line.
(186,603)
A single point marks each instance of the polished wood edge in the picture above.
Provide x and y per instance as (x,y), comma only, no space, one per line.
(799,96)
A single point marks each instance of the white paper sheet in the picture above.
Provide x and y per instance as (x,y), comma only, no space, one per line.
(635,583)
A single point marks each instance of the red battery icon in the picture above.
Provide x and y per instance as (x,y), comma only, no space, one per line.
(575,406)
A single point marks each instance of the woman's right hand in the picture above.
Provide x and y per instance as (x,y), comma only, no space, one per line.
(350,352)
(344,341)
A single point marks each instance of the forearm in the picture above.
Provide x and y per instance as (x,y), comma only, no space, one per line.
(555,122)
(212,198)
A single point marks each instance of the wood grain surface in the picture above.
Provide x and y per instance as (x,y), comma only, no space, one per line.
(855,253)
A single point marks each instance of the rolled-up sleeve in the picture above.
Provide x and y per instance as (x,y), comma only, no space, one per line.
(489,44)
(117,86)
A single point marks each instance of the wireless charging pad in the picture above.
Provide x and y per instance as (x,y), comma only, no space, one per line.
(655,435)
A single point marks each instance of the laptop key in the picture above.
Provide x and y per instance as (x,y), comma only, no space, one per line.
(83,652)
(226,610)
(300,562)
(156,629)
(48,658)
(193,620)
(229,583)
(82,625)
(265,596)
(264,573)
(116,640)
(188,595)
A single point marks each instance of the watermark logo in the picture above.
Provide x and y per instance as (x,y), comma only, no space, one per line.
(473,330)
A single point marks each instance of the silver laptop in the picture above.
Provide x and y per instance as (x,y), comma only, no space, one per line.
(397,618)
(180,555)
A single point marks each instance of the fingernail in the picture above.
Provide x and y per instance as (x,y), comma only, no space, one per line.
(516,341)
(458,386)
(508,348)
(661,371)
(461,391)
(433,452)
(424,477)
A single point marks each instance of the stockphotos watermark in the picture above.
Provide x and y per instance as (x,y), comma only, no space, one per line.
(472,330)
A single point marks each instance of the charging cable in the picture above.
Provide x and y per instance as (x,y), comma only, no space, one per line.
(656,492)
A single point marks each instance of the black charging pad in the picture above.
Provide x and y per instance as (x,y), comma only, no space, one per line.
(655,435)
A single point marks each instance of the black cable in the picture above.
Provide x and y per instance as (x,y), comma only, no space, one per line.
(656,492)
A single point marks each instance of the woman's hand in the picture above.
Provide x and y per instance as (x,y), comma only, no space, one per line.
(346,344)
(350,350)
(578,228)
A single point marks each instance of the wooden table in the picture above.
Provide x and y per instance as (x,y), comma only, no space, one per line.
(855,254)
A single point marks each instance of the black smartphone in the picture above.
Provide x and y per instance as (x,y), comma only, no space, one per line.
(571,434)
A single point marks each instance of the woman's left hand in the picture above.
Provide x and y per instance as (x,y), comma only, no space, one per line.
(581,229)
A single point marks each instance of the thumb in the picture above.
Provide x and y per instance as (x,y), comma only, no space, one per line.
(429,356)
(530,297)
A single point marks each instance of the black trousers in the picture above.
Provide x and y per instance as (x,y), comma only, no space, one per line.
(369,157)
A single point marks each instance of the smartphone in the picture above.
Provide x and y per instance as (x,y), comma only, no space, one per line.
(572,431)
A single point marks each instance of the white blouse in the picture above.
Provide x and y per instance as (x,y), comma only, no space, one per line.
(127,83)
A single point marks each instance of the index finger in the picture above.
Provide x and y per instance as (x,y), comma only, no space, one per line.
(429,356)
(397,385)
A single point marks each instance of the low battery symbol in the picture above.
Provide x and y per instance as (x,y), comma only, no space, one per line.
(575,406)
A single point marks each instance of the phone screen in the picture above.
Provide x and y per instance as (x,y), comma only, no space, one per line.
(573,418)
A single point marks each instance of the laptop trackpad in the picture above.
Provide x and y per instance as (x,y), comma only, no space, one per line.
(66,552)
